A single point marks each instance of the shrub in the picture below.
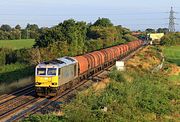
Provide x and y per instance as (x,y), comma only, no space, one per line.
(43,118)
(2,57)
(129,38)
(153,98)
(94,45)
(171,39)
(117,76)
(6,56)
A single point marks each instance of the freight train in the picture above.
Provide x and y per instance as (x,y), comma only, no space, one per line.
(52,77)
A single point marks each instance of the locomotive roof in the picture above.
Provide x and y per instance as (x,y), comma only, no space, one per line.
(60,62)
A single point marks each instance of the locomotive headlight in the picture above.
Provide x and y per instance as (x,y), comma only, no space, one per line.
(54,83)
(37,83)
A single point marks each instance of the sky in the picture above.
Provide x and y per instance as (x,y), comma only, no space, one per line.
(133,14)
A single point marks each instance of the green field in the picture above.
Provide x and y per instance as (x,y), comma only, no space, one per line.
(17,44)
(172,54)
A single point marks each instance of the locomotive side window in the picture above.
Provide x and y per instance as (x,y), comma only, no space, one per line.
(74,70)
(59,71)
(41,71)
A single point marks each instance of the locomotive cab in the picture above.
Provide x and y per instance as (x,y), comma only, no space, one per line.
(46,80)
(49,76)
(46,76)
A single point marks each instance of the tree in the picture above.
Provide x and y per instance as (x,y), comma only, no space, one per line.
(171,39)
(32,26)
(23,33)
(109,35)
(4,35)
(129,38)
(103,22)
(6,28)
(75,35)
(93,45)
(163,30)
(32,31)
(126,31)
(18,27)
(46,37)
(70,31)
(15,34)
(150,30)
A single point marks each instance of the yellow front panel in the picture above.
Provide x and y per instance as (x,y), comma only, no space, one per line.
(46,81)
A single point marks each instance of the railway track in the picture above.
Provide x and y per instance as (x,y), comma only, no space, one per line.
(15,101)
(44,104)
(6,97)
(51,103)
(11,105)
(22,103)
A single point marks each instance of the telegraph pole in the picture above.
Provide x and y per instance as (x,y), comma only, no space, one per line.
(172,21)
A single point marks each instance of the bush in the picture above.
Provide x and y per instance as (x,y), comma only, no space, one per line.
(93,45)
(6,56)
(153,98)
(129,38)
(171,39)
(2,57)
(43,118)
(117,76)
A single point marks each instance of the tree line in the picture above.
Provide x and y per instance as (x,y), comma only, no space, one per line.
(7,32)
(159,30)
(75,38)
(68,38)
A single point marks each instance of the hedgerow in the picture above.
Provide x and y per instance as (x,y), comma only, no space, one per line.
(14,72)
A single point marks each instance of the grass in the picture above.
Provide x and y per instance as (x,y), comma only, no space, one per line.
(14,76)
(15,72)
(8,88)
(172,54)
(175,78)
(17,44)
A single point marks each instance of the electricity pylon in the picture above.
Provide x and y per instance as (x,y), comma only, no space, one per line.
(172,21)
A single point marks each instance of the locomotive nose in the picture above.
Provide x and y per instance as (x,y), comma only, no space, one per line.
(46,81)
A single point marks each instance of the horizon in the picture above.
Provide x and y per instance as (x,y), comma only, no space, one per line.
(135,15)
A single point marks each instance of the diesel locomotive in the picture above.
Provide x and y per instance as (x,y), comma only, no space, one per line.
(53,77)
